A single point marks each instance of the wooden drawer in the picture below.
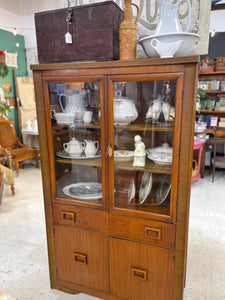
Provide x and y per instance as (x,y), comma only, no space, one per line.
(152,232)
(82,257)
(140,271)
(84,218)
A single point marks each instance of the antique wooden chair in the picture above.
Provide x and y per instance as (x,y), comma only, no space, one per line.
(7,172)
(218,160)
(2,183)
(13,147)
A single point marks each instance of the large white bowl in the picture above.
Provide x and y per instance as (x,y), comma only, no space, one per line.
(189,41)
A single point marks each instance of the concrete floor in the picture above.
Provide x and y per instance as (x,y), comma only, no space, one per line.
(23,248)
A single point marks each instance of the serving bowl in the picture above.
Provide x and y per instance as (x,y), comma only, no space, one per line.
(64,118)
(161,155)
(189,41)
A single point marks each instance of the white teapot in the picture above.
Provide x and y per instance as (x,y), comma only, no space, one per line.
(91,147)
(125,110)
(74,147)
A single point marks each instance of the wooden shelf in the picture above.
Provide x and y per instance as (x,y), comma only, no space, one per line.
(215,113)
(133,127)
(87,162)
(125,166)
(145,127)
(215,92)
(78,125)
(212,73)
(149,167)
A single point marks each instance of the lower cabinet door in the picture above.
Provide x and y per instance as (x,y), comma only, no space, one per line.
(140,272)
(82,257)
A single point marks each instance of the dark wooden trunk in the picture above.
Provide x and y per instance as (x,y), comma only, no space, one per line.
(94,29)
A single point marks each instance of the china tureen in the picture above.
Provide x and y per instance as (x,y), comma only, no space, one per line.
(161,155)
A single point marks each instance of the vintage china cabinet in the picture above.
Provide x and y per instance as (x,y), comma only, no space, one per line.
(114,230)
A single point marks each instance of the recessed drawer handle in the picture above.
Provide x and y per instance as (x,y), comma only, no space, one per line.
(68,216)
(80,258)
(139,274)
(153,233)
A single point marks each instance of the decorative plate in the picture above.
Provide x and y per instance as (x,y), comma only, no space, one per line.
(64,154)
(123,155)
(146,186)
(163,190)
(84,190)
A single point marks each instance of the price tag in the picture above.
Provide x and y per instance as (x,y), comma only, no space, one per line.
(68,38)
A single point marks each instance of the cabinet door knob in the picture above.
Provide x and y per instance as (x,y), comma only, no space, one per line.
(109,150)
(80,258)
(139,274)
(68,216)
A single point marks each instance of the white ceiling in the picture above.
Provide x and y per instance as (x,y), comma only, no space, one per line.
(28,7)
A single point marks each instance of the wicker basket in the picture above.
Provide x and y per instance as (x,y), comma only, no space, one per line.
(194,168)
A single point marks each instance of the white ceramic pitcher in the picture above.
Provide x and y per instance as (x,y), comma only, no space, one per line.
(91,147)
(73,103)
(169,17)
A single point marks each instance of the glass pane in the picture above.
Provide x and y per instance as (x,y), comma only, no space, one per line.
(144,113)
(75,112)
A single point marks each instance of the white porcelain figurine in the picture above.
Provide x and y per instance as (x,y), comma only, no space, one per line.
(139,152)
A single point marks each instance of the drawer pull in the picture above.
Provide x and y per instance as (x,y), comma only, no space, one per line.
(80,258)
(68,216)
(139,274)
(153,233)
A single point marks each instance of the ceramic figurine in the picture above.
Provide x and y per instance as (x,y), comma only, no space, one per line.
(35,125)
(29,125)
(166,110)
(172,113)
(155,109)
(139,152)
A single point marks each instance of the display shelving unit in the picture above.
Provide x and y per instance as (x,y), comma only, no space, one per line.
(127,240)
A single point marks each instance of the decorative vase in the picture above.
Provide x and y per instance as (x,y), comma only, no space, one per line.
(128,32)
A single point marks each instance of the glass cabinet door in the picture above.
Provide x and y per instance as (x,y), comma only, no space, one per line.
(144,126)
(75,109)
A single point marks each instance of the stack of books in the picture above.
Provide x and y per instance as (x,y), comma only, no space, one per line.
(220,105)
(222,122)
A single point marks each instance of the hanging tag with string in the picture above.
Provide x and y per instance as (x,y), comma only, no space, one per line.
(68,36)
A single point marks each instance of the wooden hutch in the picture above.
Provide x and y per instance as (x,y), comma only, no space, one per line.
(114,230)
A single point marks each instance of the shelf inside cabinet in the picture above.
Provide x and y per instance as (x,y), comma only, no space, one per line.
(149,167)
(78,125)
(145,127)
(87,162)
(163,209)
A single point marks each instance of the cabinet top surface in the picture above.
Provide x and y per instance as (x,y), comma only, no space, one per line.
(117,63)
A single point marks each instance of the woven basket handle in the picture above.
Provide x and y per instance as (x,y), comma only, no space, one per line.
(137,11)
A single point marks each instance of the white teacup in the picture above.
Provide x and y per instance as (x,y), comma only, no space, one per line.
(87,116)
